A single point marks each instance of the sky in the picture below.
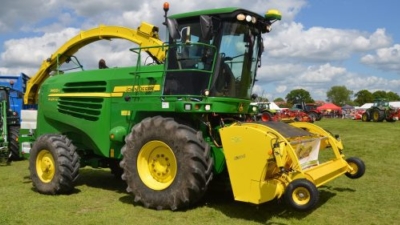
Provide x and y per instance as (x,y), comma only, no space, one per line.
(318,44)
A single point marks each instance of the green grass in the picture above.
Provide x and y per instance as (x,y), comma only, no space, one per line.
(101,199)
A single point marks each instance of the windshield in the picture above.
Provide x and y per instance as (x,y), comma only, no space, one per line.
(237,61)
(189,63)
(381,103)
(192,61)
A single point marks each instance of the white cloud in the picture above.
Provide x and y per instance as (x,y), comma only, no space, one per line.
(319,44)
(276,72)
(321,74)
(32,51)
(281,88)
(384,59)
(17,13)
(318,79)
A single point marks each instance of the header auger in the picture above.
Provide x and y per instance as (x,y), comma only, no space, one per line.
(173,128)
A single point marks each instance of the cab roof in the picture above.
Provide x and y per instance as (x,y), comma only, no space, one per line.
(217,11)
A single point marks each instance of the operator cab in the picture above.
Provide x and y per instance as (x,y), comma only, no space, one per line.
(215,55)
(381,103)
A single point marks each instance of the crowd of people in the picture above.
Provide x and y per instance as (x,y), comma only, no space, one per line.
(354,114)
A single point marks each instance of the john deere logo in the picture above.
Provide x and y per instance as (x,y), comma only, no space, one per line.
(241,107)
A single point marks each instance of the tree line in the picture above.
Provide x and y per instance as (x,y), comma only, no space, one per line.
(338,95)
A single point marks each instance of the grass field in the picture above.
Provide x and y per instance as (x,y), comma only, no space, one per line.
(101,199)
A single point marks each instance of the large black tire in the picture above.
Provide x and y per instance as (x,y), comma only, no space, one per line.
(53,164)
(313,116)
(366,117)
(266,116)
(378,115)
(13,132)
(180,162)
(302,195)
(358,168)
(319,116)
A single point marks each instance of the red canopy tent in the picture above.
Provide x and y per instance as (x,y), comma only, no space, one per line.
(329,107)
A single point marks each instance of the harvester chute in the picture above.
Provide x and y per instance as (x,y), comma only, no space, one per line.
(145,36)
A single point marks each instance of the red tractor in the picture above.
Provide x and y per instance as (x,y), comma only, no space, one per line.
(310,109)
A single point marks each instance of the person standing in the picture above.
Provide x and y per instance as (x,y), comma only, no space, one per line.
(102,64)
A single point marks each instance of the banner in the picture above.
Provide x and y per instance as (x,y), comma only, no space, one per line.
(308,152)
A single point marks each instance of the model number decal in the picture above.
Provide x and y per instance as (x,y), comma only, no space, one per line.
(137,88)
(239,157)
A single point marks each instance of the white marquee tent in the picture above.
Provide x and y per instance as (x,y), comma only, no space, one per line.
(368,105)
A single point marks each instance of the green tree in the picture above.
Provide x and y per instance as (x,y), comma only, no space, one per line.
(391,96)
(363,96)
(279,99)
(339,95)
(285,105)
(298,95)
(379,94)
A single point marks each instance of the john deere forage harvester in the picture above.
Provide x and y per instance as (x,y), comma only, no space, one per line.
(171,126)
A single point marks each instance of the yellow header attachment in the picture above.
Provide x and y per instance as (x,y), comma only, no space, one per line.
(145,36)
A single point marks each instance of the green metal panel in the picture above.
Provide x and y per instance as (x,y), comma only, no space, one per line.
(205,12)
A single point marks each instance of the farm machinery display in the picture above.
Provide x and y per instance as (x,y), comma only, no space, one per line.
(311,109)
(380,111)
(285,115)
(173,127)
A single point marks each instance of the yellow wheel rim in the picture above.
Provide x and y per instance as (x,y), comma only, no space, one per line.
(301,196)
(376,115)
(45,166)
(157,165)
(364,117)
(354,167)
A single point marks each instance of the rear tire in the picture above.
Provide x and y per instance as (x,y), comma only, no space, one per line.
(13,133)
(302,195)
(378,115)
(319,116)
(53,164)
(166,165)
(358,168)
(313,116)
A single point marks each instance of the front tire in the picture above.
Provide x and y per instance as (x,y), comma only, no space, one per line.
(266,116)
(302,195)
(366,117)
(166,165)
(358,167)
(53,164)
